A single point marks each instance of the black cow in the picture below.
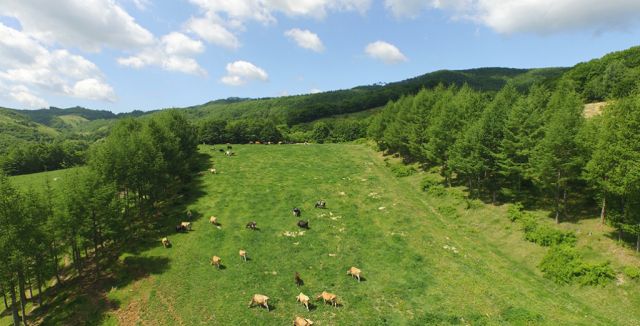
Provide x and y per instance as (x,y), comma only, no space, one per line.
(303,224)
(299,281)
(221,150)
(321,204)
(296,212)
(229,147)
(252,225)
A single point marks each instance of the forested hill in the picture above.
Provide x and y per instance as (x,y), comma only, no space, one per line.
(293,110)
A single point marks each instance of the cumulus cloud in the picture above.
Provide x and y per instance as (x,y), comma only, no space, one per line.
(173,52)
(22,95)
(305,39)
(221,20)
(27,68)
(241,72)
(87,24)
(530,16)
(386,52)
(211,29)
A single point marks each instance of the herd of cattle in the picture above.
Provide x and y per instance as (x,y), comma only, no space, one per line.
(260,299)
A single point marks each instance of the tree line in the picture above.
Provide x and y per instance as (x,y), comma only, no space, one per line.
(97,211)
(516,147)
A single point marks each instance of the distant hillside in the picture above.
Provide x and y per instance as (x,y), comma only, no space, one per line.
(48,116)
(305,108)
(16,128)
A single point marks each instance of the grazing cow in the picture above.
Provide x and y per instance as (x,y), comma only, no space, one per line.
(213,220)
(228,153)
(300,321)
(260,300)
(243,254)
(213,170)
(216,261)
(252,225)
(165,242)
(186,225)
(328,297)
(303,224)
(181,228)
(299,281)
(303,299)
(257,142)
(355,272)
(229,147)
(321,204)
(221,150)
(296,212)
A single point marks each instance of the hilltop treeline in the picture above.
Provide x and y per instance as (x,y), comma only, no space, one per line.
(517,147)
(98,211)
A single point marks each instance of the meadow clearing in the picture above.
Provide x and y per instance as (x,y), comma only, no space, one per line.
(425,259)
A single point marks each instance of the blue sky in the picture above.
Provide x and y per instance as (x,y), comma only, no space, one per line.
(122,55)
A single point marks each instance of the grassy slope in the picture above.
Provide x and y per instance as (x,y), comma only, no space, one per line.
(410,277)
(37,181)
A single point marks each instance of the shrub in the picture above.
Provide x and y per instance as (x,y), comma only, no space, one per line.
(563,264)
(448,211)
(545,235)
(430,180)
(632,272)
(595,274)
(515,212)
(437,191)
(560,264)
(402,170)
(472,204)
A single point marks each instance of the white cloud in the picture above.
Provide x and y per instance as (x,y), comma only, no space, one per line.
(87,24)
(222,19)
(384,51)
(211,29)
(531,16)
(22,95)
(172,53)
(407,8)
(92,89)
(141,4)
(241,72)
(305,39)
(27,68)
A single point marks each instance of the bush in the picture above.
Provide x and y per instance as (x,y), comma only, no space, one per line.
(472,204)
(564,265)
(632,272)
(448,211)
(560,264)
(515,212)
(595,274)
(546,236)
(437,191)
(429,181)
(402,170)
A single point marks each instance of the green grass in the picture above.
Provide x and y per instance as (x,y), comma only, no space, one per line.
(400,237)
(37,181)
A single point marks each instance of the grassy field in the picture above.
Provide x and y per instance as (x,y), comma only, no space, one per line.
(425,259)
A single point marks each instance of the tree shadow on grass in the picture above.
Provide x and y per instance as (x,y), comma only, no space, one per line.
(82,300)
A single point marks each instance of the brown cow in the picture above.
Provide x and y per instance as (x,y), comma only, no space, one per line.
(303,299)
(213,220)
(328,297)
(243,254)
(215,260)
(260,300)
(355,272)
(300,321)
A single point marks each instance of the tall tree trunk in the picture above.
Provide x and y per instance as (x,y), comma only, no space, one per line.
(564,202)
(4,298)
(39,283)
(558,199)
(96,242)
(14,306)
(23,297)
(56,267)
(603,212)
(30,290)
(638,241)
